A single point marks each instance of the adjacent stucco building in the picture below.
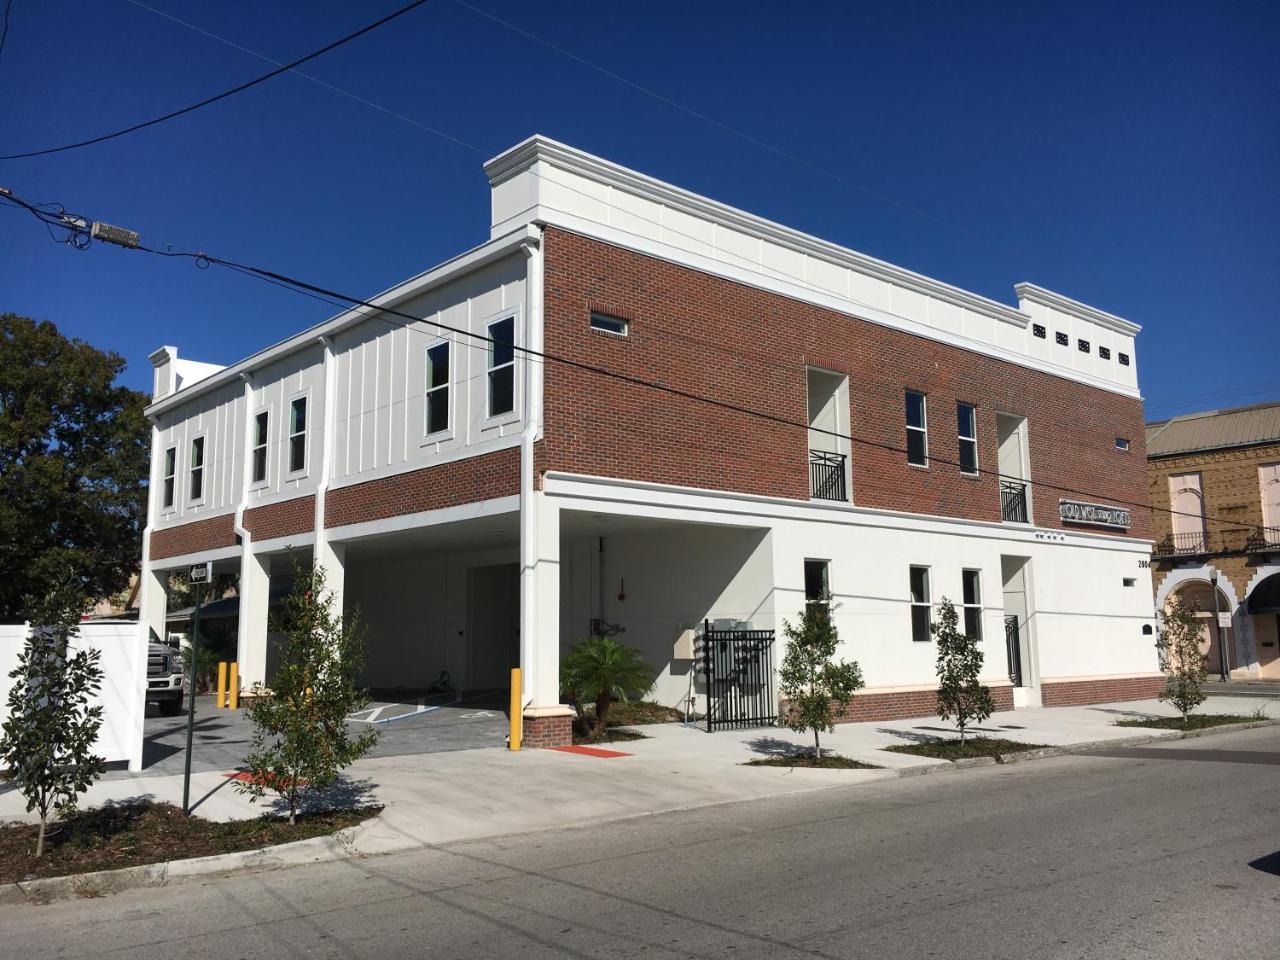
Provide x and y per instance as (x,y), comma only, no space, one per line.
(546,463)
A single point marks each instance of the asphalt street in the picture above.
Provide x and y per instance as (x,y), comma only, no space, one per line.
(1153,852)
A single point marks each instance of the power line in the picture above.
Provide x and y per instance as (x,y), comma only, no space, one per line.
(4,30)
(204,259)
(240,88)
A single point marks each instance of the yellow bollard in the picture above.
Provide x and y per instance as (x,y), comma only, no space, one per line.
(222,684)
(517,711)
(233,693)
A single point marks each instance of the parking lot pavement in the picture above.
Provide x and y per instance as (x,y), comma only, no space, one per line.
(414,726)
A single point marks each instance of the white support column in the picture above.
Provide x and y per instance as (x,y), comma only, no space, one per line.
(540,605)
(152,611)
(255,596)
(332,557)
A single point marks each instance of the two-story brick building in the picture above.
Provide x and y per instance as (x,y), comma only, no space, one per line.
(1215,478)
(652,410)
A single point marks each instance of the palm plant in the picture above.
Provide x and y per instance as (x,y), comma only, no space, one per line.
(601,670)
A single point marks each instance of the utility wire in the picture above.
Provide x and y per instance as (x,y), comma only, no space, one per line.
(283,68)
(4,29)
(205,259)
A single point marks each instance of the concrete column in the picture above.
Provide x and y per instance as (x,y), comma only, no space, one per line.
(255,599)
(152,610)
(332,557)
(546,721)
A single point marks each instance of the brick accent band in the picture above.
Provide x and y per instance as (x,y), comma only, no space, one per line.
(902,705)
(475,479)
(283,519)
(543,732)
(1073,692)
(212,533)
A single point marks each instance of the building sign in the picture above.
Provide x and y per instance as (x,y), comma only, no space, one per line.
(1077,511)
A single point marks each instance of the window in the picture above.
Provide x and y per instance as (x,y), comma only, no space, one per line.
(197,469)
(1122,443)
(967,428)
(971,594)
(438,387)
(1130,581)
(298,435)
(502,366)
(917,430)
(607,324)
(1124,359)
(1038,330)
(170,474)
(260,447)
(1061,338)
(920,611)
(1082,346)
(1104,353)
(816,584)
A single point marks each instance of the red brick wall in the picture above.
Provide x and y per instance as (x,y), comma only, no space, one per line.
(547,732)
(212,533)
(1075,692)
(283,519)
(747,347)
(870,706)
(431,488)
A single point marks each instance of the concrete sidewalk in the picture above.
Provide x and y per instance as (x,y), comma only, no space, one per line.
(445,797)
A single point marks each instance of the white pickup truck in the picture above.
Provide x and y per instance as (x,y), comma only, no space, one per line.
(164,678)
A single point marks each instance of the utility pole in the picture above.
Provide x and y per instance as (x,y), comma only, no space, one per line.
(201,574)
(1223,668)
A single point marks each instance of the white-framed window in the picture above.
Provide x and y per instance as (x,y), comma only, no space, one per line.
(258,455)
(606,323)
(817,582)
(971,597)
(298,434)
(917,430)
(170,480)
(195,470)
(437,387)
(967,432)
(501,373)
(921,606)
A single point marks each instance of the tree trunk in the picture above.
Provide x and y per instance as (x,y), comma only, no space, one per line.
(602,714)
(817,747)
(40,836)
(293,799)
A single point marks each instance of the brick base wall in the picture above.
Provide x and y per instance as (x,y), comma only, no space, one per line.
(902,705)
(547,732)
(1074,692)
(212,533)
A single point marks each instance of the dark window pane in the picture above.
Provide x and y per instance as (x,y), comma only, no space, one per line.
(437,411)
(438,365)
(915,409)
(815,579)
(197,483)
(502,390)
(259,464)
(503,335)
(297,452)
(973,622)
(920,584)
(299,415)
(965,425)
(261,432)
(602,321)
(920,624)
(170,461)
(969,456)
(971,591)
(168,491)
(197,452)
(916,451)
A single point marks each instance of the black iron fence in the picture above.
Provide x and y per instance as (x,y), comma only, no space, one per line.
(1013,501)
(826,475)
(1013,650)
(738,669)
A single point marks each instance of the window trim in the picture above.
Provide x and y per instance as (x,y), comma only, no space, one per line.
(922,430)
(194,501)
(169,481)
(446,432)
(976,606)
(505,416)
(926,603)
(961,440)
(265,447)
(305,433)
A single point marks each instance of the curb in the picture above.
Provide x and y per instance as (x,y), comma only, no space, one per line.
(336,846)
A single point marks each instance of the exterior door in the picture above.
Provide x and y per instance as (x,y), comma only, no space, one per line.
(493,633)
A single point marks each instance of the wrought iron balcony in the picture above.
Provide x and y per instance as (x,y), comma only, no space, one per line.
(826,475)
(1013,501)
(1193,544)
(1264,540)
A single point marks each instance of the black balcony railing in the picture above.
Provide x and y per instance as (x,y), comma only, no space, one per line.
(1190,544)
(1013,501)
(826,475)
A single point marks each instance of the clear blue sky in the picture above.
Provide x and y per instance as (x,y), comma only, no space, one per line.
(1122,154)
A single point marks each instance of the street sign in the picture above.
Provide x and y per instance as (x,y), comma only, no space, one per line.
(1224,620)
(201,573)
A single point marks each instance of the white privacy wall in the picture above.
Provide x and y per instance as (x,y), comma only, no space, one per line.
(122,695)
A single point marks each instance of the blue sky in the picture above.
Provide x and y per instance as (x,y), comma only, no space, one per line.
(1122,154)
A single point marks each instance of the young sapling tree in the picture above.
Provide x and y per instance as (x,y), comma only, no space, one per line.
(1185,664)
(811,679)
(961,695)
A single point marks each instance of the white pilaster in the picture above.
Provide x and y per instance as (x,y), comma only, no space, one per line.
(255,596)
(540,602)
(332,558)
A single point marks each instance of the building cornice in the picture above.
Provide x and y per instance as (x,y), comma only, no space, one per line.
(1047,298)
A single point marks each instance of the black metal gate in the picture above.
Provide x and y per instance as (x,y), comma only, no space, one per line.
(1013,648)
(738,669)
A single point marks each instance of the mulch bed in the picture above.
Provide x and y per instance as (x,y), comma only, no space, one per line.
(1197,721)
(633,713)
(611,734)
(971,747)
(134,833)
(829,761)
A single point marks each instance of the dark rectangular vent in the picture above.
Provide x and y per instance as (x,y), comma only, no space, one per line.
(1062,338)
(1038,330)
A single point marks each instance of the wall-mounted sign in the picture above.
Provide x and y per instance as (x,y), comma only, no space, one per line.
(1097,514)
(201,573)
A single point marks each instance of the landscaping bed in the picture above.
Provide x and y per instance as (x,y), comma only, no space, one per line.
(611,734)
(132,834)
(1197,721)
(828,761)
(633,713)
(993,747)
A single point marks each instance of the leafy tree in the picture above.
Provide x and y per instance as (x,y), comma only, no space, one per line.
(46,744)
(961,696)
(811,680)
(1184,663)
(301,741)
(74,450)
(601,670)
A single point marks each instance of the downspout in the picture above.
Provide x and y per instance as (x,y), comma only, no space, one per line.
(326,448)
(533,384)
(246,454)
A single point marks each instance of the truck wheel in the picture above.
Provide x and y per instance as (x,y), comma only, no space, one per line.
(171,708)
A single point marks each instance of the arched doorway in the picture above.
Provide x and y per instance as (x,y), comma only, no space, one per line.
(1198,595)
(1263,607)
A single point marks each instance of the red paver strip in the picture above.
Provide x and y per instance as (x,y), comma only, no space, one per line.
(592,752)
